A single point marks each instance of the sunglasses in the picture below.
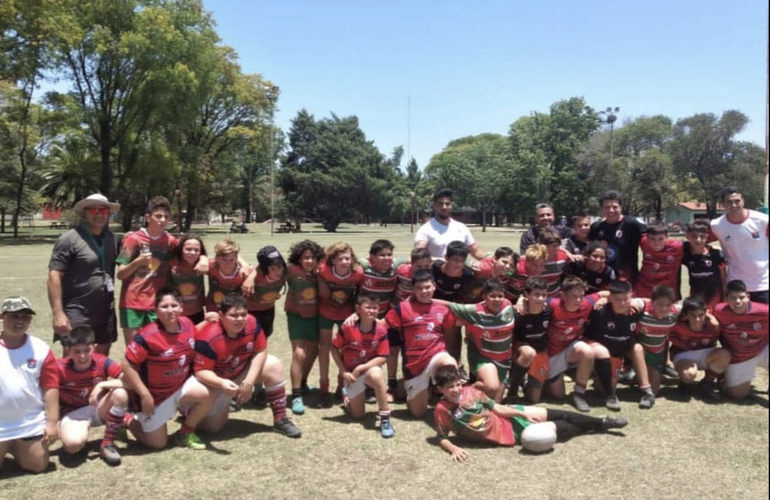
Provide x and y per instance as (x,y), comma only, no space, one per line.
(98,210)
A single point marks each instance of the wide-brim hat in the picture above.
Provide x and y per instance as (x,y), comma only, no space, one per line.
(95,200)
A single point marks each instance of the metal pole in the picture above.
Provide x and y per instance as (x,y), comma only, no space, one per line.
(611,130)
(272,179)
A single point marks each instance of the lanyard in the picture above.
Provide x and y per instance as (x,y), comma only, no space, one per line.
(97,247)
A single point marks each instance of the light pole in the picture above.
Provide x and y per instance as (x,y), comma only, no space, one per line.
(272,95)
(412,217)
(178,194)
(610,119)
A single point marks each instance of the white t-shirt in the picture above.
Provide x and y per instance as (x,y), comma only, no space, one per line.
(439,236)
(745,246)
(24,372)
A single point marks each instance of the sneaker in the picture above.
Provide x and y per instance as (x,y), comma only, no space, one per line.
(259,398)
(463,374)
(234,407)
(579,400)
(627,377)
(683,392)
(109,454)
(614,423)
(386,429)
(286,427)
(647,401)
(190,440)
(612,403)
(670,371)
(709,391)
(512,397)
(298,406)
(341,393)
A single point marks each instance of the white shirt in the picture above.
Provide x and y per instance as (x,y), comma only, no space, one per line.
(439,236)
(22,408)
(745,246)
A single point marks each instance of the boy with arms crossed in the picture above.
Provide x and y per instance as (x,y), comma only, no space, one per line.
(661,262)
(360,350)
(91,392)
(498,266)
(705,264)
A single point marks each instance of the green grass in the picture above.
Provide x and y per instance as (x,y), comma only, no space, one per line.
(675,450)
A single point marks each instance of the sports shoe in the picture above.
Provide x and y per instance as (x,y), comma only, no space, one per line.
(298,406)
(286,427)
(683,393)
(259,398)
(386,429)
(325,400)
(647,401)
(627,377)
(109,454)
(670,371)
(579,400)
(341,393)
(612,403)
(614,422)
(709,391)
(190,440)
(463,374)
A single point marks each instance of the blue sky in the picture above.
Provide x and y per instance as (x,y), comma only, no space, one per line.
(474,67)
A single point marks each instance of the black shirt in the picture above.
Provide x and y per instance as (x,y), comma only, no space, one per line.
(574,245)
(531,329)
(705,276)
(531,236)
(448,287)
(622,240)
(616,332)
(595,281)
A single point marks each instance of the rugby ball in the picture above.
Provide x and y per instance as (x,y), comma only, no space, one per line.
(539,438)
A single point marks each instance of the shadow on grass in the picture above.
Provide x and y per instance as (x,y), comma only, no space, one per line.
(11,469)
(237,429)
(368,422)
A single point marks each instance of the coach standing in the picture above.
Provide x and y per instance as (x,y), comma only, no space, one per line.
(622,235)
(442,229)
(544,219)
(81,273)
(743,235)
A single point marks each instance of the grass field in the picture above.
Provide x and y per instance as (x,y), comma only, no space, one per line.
(675,450)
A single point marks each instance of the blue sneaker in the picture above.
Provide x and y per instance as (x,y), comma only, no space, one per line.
(386,429)
(297,406)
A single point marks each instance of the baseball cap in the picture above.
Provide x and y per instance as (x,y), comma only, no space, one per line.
(16,304)
(268,256)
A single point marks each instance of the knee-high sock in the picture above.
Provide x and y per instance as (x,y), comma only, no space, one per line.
(603,368)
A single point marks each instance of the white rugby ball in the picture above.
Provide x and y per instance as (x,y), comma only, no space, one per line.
(539,438)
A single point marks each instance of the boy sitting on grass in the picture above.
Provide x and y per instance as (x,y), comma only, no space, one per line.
(471,415)
(91,392)
(360,350)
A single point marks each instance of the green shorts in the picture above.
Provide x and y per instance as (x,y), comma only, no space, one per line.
(325,323)
(476,361)
(519,424)
(302,328)
(131,318)
(655,360)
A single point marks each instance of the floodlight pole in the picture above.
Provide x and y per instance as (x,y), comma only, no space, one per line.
(272,95)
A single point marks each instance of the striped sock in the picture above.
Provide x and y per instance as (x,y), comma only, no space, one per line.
(276,398)
(384,415)
(113,425)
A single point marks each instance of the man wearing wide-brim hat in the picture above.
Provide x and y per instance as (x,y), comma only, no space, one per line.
(81,274)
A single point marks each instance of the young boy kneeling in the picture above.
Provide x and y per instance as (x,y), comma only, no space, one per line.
(470,414)
(360,350)
(91,393)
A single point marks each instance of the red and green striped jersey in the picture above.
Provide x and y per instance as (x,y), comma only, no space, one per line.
(380,284)
(190,286)
(138,290)
(403,283)
(491,334)
(302,295)
(266,292)
(653,332)
(472,418)
(483,270)
(553,272)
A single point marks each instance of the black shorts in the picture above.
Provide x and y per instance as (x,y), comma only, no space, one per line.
(394,338)
(197,317)
(103,323)
(266,320)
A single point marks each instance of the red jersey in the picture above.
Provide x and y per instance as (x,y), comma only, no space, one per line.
(553,272)
(473,419)
(266,292)
(225,356)
(138,290)
(190,286)
(75,386)
(421,328)
(483,270)
(163,359)
(566,326)
(302,296)
(337,292)
(357,347)
(517,282)
(221,285)
(403,283)
(684,339)
(659,268)
(381,285)
(744,335)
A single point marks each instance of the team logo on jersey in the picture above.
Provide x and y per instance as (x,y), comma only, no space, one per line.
(619,233)
(707,262)
(191,341)
(375,344)
(656,266)
(486,334)
(368,283)
(545,324)
(456,286)
(728,238)
(31,363)
(362,354)
(598,281)
(611,325)
(167,353)
(250,347)
(757,326)
(755,235)
(430,327)
(440,318)
(669,258)
(84,394)
(633,327)
(182,359)
(744,336)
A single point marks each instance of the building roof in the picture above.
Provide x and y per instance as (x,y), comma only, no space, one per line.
(696,206)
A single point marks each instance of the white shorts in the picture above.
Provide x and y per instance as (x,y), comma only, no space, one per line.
(357,387)
(166,410)
(698,357)
(740,373)
(90,413)
(421,382)
(558,364)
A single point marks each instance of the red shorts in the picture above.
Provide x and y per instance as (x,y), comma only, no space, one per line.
(538,370)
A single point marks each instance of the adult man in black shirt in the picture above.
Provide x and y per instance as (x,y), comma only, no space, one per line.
(622,235)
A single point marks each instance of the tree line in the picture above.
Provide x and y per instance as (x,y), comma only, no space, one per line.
(146,100)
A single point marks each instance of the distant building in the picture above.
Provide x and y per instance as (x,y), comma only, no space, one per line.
(687,211)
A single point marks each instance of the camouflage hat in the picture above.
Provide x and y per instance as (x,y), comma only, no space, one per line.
(16,304)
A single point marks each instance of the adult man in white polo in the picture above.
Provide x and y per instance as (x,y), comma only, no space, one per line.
(442,229)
